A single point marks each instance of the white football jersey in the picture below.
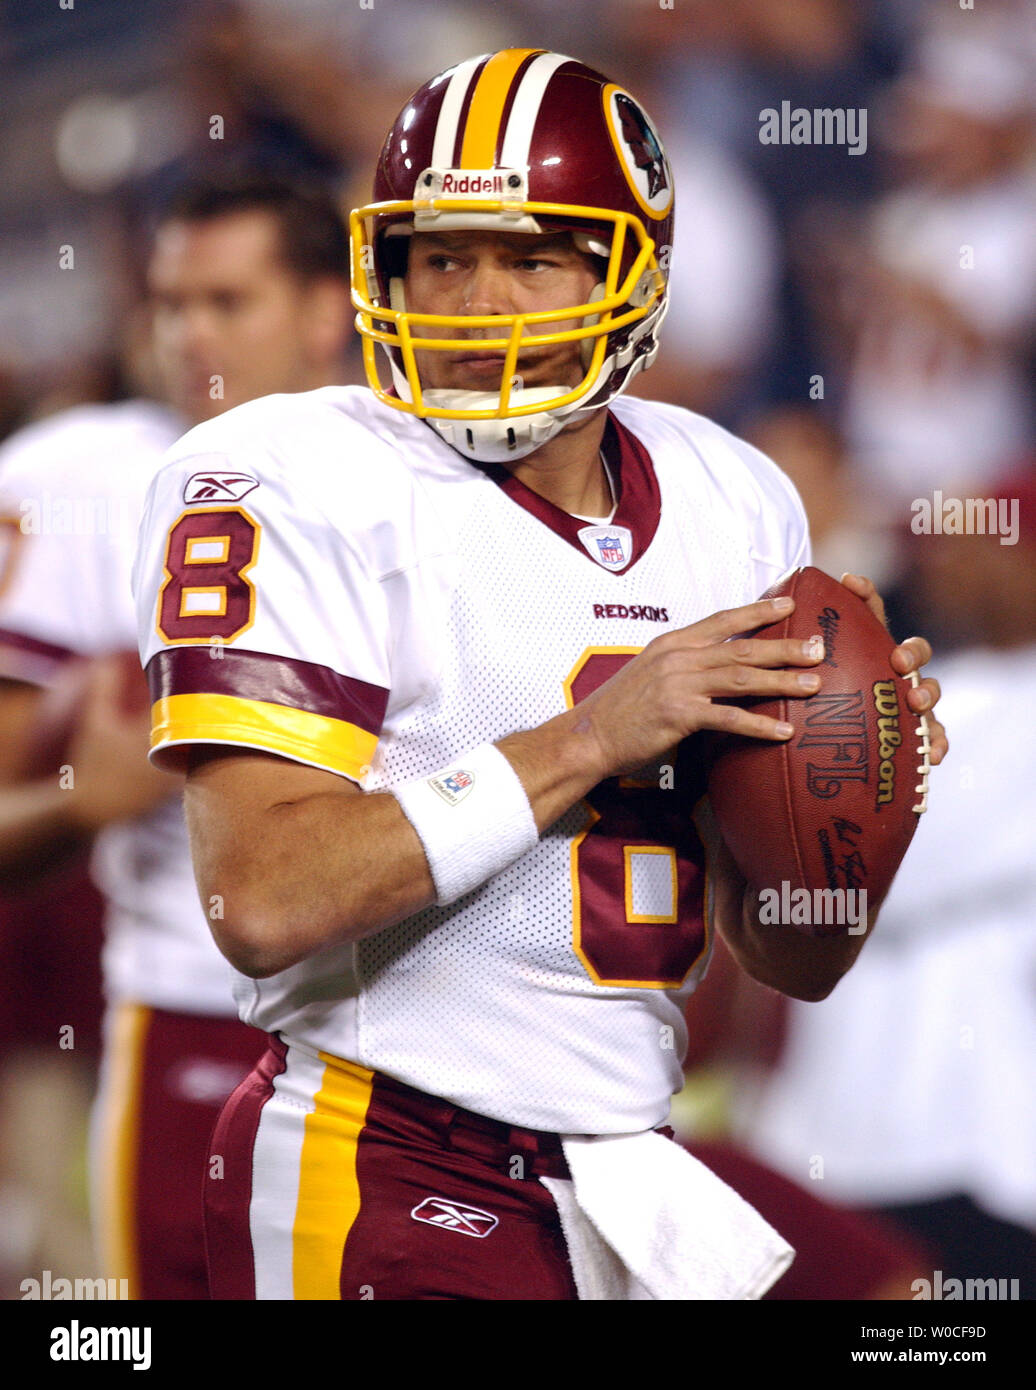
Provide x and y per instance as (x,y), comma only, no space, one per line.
(322,577)
(72,490)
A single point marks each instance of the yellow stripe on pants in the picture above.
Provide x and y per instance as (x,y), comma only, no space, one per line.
(329,1189)
(118,1129)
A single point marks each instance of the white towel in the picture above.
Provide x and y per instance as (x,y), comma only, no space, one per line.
(643,1219)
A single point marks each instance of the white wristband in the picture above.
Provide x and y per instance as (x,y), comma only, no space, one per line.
(472,818)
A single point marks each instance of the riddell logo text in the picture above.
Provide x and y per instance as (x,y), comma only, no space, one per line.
(636,610)
(472,183)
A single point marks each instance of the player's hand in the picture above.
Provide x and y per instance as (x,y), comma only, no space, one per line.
(909,656)
(678,684)
(110,776)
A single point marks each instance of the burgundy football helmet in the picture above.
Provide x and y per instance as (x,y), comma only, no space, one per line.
(517,141)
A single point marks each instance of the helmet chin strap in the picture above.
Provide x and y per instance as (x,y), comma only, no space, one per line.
(496,441)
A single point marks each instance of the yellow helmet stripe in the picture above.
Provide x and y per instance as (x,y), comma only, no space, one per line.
(487,107)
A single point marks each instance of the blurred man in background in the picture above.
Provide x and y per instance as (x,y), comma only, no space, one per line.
(248,286)
(942,287)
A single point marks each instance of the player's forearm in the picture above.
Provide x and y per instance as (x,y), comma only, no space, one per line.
(779,955)
(305,875)
(282,881)
(558,763)
(39,829)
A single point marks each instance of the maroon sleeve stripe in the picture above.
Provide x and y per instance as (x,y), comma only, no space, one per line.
(275,680)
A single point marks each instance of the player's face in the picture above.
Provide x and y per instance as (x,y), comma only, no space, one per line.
(230,321)
(468,273)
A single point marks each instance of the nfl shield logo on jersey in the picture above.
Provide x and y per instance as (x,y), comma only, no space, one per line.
(610,546)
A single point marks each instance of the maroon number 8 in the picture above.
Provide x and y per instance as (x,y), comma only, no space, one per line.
(617,944)
(206,596)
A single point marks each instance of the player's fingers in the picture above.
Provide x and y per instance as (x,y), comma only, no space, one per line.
(939,744)
(924,696)
(769,652)
(756,681)
(732,622)
(864,588)
(911,655)
(732,719)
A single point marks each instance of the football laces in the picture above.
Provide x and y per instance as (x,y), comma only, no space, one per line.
(924,748)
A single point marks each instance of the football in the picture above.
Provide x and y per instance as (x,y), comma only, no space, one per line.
(836,805)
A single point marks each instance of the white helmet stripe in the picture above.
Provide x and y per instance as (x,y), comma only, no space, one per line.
(525,109)
(449,112)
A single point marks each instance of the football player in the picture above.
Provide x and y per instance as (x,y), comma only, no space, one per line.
(441,780)
(249,295)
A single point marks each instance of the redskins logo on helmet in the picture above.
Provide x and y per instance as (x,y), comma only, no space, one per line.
(640,149)
(517,141)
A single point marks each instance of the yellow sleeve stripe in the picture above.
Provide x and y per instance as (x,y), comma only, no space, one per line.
(294,733)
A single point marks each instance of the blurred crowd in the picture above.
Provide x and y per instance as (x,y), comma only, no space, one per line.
(864,315)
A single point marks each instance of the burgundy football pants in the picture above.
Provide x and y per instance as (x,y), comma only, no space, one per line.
(340,1183)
